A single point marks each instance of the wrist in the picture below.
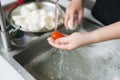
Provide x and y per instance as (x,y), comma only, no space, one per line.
(93,37)
(88,38)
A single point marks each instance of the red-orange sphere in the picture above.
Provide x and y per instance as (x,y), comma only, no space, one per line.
(56,34)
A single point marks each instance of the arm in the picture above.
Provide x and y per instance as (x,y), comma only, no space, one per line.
(78,39)
(106,33)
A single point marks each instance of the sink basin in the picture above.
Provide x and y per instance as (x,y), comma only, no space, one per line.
(44,62)
(27,55)
(33,56)
(92,62)
(41,60)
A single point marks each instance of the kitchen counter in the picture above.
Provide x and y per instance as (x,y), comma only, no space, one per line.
(7,72)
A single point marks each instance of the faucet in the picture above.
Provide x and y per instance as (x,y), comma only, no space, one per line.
(4,32)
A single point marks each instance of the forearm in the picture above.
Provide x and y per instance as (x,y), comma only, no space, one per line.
(106,33)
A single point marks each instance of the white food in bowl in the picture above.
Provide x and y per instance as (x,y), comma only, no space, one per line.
(51,14)
(19,22)
(25,12)
(32,19)
(50,24)
(42,24)
(24,26)
(16,17)
(31,6)
(34,13)
(42,12)
(33,27)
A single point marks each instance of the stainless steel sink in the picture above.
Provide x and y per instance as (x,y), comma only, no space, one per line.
(44,62)
(37,53)
(37,60)
(40,61)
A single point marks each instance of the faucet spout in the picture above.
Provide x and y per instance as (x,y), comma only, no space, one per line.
(4,32)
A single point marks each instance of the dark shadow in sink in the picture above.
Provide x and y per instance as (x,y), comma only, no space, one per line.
(27,55)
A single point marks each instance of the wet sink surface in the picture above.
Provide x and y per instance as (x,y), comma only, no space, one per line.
(91,62)
(47,63)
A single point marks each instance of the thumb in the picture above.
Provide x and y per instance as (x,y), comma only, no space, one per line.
(62,40)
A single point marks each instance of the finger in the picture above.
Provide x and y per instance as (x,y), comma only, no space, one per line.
(65,35)
(50,39)
(63,45)
(72,18)
(60,46)
(63,40)
(66,20)
(54,44)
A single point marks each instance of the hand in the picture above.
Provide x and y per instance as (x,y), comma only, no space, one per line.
(70,42)
(74,8)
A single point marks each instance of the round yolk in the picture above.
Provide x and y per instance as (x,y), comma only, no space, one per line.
(56,34)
